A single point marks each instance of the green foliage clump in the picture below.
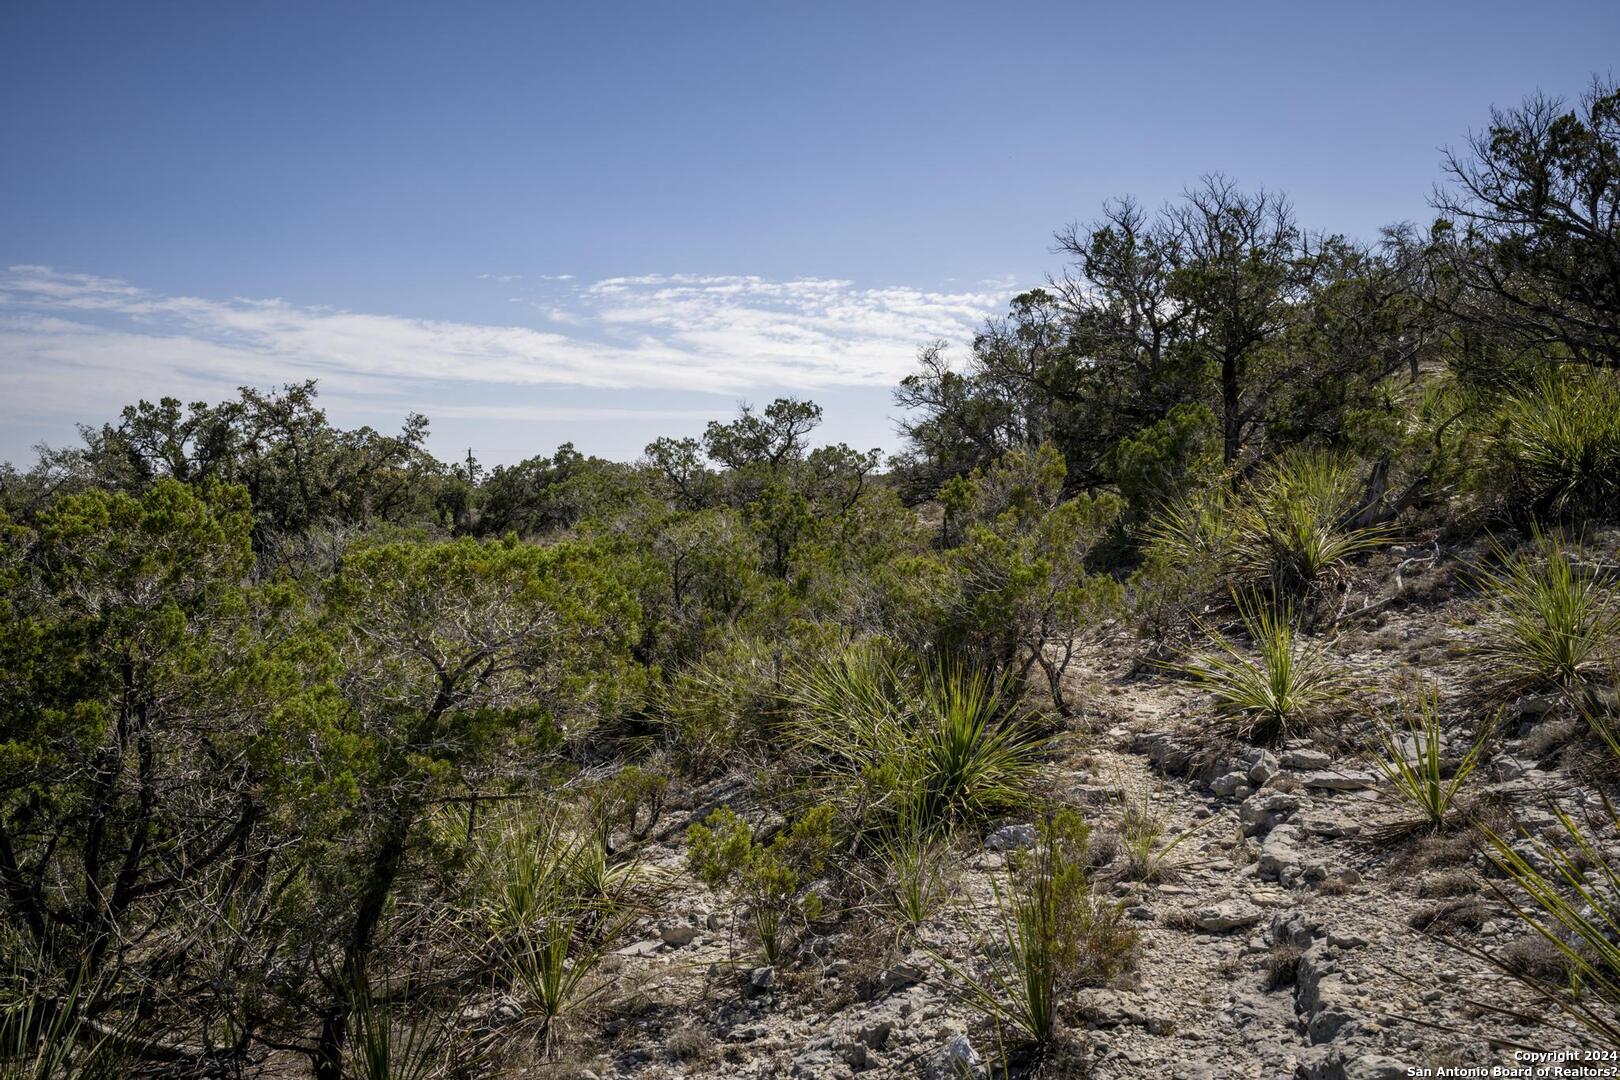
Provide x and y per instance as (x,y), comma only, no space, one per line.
(1024,595)
(1549,617)
(1410,760)
(390,1043)
(767,878)
(1289,682)
(1054,934)
(631,799)
(916,875)
(935,745)
(554,908)
(45,1033)
(1165,461)
(1556,448)
(1294,524)
(1564,884)
(712,711)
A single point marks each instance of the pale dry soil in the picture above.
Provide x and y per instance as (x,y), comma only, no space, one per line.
(1374,995)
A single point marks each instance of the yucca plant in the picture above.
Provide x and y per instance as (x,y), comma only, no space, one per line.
(850,707)
(555,908)
(1568,892)
(1549,621)
(944,744)
(389,1046)
(1195,530)
(45,1036)
(916,875)
(975,752)
(1293,523)
(1141,828)
(1410,745)
(1053,933)
(1559,447)
(1287,683)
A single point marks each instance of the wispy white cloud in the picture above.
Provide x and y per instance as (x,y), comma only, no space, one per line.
(82,345)
(684,332)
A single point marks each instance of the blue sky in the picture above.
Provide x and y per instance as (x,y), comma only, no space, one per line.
(602,222)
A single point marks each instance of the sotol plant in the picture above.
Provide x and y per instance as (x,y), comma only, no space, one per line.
(1287,682)
(916,872)
(555,908)
(1053,934)
(1558,447)
(1294,526)
(1566,887)
(1549,619)
(389,1046)
(45,1036)
(1409,757)
(885,739)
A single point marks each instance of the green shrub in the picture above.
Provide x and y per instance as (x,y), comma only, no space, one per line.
(1290,527)
(555,908)
(1557,448)
(387,1045)
(1566,888)
(917,872)
(1548,618)
(943,744)
(765,878)
(1290,681)
(1410,760)
(631,799)
(1292,524)
(45,1035)
(1054,934)
(1141,830)
(1162,462)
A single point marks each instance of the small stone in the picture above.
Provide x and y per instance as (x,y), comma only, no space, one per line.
(876,1036)
(955,1060)
(1306,760)
(1339,780)
(1010,838)
(1227,915)
(902,975)
(1263,769)
(640,948)
(678,934)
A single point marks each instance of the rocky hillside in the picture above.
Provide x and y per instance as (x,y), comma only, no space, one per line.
(1292,921)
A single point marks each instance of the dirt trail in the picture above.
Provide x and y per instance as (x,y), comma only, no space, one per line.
(1287,952)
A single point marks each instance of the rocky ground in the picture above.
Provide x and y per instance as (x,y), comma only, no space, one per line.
(1287,937)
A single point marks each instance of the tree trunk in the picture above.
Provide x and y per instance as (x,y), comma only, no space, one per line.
(386,859)
(1231,410)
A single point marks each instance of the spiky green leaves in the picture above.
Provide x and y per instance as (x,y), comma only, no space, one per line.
(1550,617)
(1410,759)
(885,738)
(1558,447)
(1285,683)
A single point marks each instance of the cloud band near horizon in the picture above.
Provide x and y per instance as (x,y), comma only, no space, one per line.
(78,346)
